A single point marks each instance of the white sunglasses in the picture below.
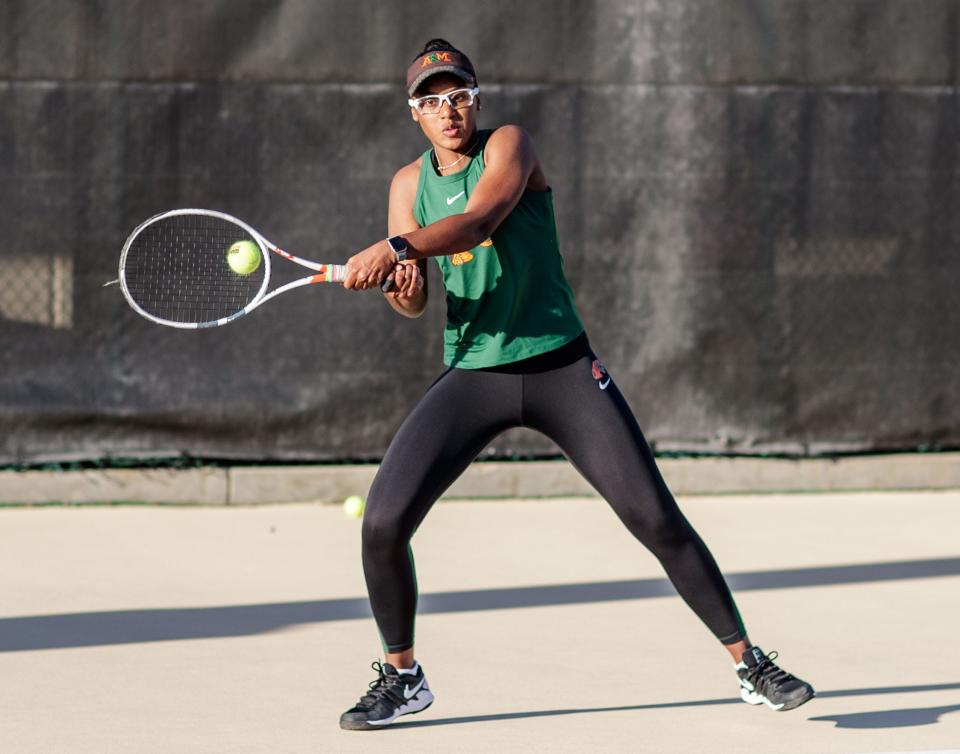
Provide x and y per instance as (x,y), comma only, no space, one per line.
(432,104)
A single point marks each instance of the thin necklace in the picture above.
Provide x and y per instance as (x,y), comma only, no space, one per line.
(441,168)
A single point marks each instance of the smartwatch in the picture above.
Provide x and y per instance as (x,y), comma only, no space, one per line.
(399,246)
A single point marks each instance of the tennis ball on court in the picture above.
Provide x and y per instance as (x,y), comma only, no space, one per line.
(243,257)
(353,506)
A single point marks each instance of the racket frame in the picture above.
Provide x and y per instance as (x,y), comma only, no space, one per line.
(325,273)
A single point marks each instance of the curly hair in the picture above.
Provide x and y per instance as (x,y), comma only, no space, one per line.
(437,45)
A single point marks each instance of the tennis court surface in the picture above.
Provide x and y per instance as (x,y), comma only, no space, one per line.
(543,627)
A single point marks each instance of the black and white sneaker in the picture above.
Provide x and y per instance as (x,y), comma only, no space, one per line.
(762,682)
(392,694)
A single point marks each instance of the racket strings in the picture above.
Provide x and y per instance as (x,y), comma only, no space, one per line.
(176,269)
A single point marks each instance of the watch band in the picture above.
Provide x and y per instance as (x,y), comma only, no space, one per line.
(399,246)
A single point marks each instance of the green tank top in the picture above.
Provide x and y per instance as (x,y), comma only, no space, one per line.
(508,298)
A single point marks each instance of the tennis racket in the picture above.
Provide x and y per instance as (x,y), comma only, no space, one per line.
(174,269)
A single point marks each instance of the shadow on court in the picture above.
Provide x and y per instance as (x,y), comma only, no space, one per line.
(883,719)
(37,632)
(896,718)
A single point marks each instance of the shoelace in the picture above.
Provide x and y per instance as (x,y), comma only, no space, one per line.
(380,687)
(767,672)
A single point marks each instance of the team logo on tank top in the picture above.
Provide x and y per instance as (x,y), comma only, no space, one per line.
(599,372)
(462,257)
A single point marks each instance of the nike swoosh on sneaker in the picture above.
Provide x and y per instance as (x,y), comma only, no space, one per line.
(603,385)
(452,199)
(747,685)
(410,693)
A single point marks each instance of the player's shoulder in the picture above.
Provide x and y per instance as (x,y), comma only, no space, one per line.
(509,131)
(508,139)
(407,177)
(409,172)
(509,134)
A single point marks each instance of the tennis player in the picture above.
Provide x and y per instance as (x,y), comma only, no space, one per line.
(479,203)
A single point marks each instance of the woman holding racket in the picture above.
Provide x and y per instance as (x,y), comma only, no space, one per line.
(517,355)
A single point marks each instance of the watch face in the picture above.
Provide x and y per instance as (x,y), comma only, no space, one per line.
(399,246)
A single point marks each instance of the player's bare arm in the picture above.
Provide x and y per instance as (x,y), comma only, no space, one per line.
(512,166)
(409,293)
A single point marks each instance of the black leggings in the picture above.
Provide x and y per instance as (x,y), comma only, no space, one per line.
(567,396)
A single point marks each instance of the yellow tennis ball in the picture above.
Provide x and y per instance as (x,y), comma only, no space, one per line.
(353,506)
(244,257)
